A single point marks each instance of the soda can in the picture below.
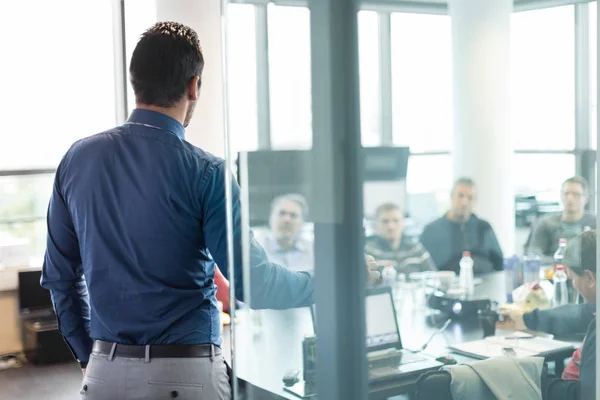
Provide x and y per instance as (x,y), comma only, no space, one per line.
(309,358)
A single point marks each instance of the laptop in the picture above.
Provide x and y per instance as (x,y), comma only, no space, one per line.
(387,359)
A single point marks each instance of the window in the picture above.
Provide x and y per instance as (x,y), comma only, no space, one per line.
(543,79)
(241,74)
(290,77)
(422,82)
(61,78)
(542,172)
(369,72)
(429,175)
(139,16)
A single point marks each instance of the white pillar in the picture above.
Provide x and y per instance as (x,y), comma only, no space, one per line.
(482,143)
(204,16)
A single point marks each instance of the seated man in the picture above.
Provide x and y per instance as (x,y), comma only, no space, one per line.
(390,247)
(460,230)
(571,222)
(578,380)
(284,244)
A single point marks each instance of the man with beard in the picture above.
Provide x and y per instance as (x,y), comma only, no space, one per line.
(136,223)
(285,244)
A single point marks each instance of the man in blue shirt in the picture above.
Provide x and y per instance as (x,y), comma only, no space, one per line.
(137,218)
(285,244)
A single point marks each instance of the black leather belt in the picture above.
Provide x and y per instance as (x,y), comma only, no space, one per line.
(156,350)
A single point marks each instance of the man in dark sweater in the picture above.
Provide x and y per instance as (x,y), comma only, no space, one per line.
(460,230)
(578,381)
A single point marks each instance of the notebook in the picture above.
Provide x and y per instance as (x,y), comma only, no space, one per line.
(517,345)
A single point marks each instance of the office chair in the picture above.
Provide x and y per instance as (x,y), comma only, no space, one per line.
(434,385)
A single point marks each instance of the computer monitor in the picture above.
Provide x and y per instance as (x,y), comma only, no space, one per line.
(266,174)
(31,295)
(382,326)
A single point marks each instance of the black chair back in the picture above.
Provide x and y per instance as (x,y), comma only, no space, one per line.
(434,385)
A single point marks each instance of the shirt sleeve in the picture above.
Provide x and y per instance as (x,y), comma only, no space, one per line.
(560,321)
(62,275)
(271,285)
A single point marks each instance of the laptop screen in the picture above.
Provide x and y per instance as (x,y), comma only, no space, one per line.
(382,327)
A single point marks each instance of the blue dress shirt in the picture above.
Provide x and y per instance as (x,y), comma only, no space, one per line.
(136,224)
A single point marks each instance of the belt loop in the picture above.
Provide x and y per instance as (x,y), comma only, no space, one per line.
(112,352)
(147,358)
(212,353)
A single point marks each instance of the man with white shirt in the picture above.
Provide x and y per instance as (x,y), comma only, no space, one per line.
(284,243)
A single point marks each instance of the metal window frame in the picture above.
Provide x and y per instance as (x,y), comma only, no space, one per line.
(338,197)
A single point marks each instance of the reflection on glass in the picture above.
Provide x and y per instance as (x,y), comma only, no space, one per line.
(543,78)
(422,81)
(290,77)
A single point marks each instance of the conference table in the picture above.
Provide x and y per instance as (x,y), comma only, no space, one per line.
(268,343)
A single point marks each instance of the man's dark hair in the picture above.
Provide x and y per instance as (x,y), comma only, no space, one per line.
(386,207)
(580,180)
(581,253)
(164,62)
(463,181)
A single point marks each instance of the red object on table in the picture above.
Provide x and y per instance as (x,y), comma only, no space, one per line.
(222,289)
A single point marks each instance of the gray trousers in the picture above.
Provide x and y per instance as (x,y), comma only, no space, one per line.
(159,378)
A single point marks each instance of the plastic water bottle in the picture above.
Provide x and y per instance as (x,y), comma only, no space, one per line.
(559,255)
(531,269)
(389,275)
(466,273)
(561,292)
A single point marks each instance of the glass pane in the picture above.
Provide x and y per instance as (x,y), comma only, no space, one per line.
(368,49)
(290,78)
(241,69)
(70,63)
(542,172)
(543,79)
(593,54)
(23,206)
(422,82)
(139,16)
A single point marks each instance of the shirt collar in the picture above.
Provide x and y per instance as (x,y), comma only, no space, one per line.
(299,245)
(157,120)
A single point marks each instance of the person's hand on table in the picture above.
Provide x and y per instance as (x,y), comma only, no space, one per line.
(513,320)
(372,274)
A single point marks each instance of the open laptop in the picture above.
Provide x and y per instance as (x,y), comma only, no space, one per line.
(387,360)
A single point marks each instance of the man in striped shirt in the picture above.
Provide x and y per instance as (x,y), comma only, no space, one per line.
(390,247)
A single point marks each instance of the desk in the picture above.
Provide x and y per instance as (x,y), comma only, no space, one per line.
(264,354)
